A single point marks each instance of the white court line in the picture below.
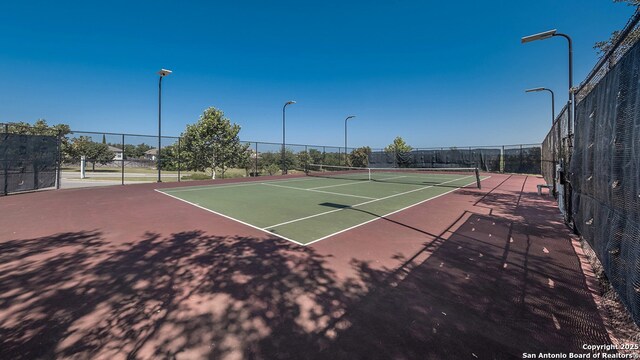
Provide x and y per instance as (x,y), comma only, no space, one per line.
(230,185)
(391,213)
(364,203)
(319,191)
(314,241)
(229,217)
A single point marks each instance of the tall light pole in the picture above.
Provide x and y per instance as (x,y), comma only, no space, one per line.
(162,73)
(570,109)
(553,106)
(553,118)
(345,138)
(284,169)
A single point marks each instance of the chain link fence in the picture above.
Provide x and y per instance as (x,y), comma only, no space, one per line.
(523,158)
(28,161)
(597,177)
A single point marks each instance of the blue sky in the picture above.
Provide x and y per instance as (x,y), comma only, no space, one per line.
(437,73)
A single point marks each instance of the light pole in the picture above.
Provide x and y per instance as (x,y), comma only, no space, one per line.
(345,138)
(553,106)
(570,109)
(162,73)
(553,118)
(284,169)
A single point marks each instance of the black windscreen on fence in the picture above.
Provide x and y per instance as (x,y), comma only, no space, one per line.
(515,159)
(28,162)
(522,160)
(605,175)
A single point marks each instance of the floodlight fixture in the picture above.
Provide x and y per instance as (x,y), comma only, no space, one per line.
(345,138)
(284,168)
(539,36)
(162,73)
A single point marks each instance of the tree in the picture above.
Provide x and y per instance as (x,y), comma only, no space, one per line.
(603,47)
(213,143)
(401,152)
(316,156)
(304,159)
(359,157)
(94,152)
(629,2)
(333,158)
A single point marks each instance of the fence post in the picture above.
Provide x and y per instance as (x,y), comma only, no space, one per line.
(4,163)
(58,168)
(502,159)
(122,159)
(179,163)
(521,167)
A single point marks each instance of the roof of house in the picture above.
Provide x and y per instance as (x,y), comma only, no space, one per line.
(152,152)
(114,149)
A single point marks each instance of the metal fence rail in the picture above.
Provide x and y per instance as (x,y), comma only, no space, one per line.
(596,171)
(521,158)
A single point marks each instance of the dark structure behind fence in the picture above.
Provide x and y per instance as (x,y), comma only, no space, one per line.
(599,167)
(27,162)
(523,159)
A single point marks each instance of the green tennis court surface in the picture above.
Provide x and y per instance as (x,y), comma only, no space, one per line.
(309,209)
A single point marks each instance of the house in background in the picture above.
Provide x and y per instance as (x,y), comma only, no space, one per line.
(117,153)
(151,154)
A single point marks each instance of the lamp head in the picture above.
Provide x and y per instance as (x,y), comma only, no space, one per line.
(164,72)
(535,89)
(350,117)
(290,102)
(539,36)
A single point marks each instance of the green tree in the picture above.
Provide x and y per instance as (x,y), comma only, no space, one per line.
(602,47)
(290,160)
(169,158)
(269,158)
(304,159)
(359,157)
(213,143)
(629,2)
(401,152)
(316,156)
(93,151)
(140,149)
(333,158)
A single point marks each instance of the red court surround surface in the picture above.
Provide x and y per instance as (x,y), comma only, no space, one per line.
(126,272)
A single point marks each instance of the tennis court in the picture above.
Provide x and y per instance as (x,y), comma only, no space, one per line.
(329,201)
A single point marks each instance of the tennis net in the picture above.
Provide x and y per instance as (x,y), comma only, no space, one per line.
(454,177)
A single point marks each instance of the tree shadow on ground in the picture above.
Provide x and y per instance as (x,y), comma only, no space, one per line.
(190,295)
(193,295)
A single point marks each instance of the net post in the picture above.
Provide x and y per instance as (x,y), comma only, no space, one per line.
(478,178)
